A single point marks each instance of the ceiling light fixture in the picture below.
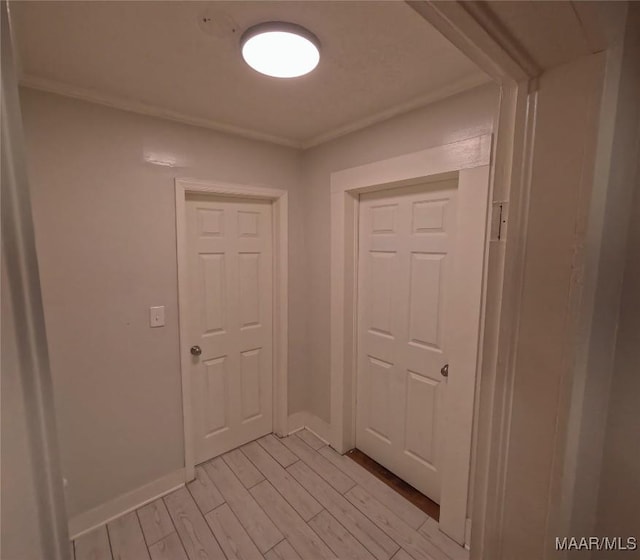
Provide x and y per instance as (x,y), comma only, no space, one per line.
(280,49)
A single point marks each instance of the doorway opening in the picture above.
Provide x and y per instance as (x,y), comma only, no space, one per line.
(340,437)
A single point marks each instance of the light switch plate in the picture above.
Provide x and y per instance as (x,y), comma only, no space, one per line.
(156,316)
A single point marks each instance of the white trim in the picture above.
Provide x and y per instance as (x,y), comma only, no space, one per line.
(305,420)
(280,299)
(511,184)
(467,310)
(476,31)
(464,84)
(467,533)
(102,514)
(319,428)
(297,421)
(142,108)
(415,166)
(31,369)
(462,159)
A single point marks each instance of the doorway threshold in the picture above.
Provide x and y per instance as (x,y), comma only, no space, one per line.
(403,488)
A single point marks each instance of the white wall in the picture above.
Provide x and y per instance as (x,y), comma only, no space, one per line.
(618,513)
(618,484)
(462,116)
(605,248)
(105,233)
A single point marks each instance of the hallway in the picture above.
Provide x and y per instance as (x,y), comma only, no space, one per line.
(278,499)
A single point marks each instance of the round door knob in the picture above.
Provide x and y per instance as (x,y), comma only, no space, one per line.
(445,370)
(196,350)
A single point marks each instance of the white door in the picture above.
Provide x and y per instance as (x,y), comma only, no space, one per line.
(406,252)
(229,245)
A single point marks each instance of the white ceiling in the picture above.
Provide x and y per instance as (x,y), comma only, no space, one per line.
(378,59)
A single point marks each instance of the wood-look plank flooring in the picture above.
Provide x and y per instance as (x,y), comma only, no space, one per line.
(275,499)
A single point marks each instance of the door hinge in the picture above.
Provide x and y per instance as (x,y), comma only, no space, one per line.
(498,221)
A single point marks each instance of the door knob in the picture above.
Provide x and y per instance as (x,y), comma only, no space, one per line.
(196,350)
(445,370)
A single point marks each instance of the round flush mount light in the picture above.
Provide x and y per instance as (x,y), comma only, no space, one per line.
(280,49)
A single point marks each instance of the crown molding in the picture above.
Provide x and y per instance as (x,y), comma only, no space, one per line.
(142,108)
(464,84)
(476,32)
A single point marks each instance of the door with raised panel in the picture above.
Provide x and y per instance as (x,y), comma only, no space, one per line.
(406,250)
(230,262)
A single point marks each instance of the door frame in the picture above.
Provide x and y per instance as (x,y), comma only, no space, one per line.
(278,198)
(494,50)
(468,160)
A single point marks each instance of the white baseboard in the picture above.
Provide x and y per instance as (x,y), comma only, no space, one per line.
(93,518)
(304,419)
(102,514)
(467,533)
(318,427)
(296,422)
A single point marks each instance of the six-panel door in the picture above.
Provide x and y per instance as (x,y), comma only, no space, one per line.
(406,245)
(230,262)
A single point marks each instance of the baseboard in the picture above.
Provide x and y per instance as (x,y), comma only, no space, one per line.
(98,516)
(467,533)
(304,419)
(318,427)
(102,514)
(296,422)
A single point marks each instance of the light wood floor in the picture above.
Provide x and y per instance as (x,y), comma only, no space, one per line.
(275,499)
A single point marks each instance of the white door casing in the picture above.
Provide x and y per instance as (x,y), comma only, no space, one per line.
(245,195)
(468,161)
(406,253)
(229,243)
